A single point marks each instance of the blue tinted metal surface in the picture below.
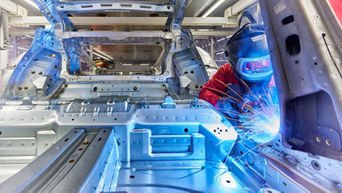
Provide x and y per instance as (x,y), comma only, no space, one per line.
(134,133)
(39,69)
(206,179)
(57,12)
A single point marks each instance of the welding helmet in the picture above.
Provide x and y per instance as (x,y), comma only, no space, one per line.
(248,54)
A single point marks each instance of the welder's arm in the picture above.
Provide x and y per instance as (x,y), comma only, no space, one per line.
(262,99)
(214,90)
(230,107)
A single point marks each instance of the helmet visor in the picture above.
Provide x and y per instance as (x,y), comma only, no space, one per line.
(255,69)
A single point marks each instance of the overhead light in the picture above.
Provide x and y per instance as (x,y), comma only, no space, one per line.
(30,2)
(213,8)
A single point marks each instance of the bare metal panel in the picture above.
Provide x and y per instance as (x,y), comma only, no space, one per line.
(307,59)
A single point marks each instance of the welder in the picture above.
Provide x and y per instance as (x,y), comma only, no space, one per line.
(245,83)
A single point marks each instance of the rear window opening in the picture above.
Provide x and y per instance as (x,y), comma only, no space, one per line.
(127,59)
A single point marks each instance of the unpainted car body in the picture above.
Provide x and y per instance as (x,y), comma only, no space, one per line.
(81,127)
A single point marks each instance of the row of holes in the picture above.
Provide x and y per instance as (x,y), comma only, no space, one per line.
(81,148)
(292,42)
(293,48)
(186,72)
(121,5)
(115,119)
(96,89)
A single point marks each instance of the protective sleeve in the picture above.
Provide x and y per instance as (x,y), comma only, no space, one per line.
(213,90)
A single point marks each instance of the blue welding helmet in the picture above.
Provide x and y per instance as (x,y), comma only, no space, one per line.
(248,54)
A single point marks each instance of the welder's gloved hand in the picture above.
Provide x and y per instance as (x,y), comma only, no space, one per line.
(262,100)
(252,103)
(230,107)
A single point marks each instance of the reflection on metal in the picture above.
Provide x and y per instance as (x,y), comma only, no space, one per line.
(4,31)
(208,61)
(68,165)
(85,7)
(93,131)
(111,35)
(197,34)
(238,7)
(58,12)
(213,8)
(13,8)
(138,21)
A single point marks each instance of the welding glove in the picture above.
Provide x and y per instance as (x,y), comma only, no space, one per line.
(261,100)
(232,108)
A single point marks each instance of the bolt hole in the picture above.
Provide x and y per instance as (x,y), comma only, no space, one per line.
(132,176)
(328,142)
(284,184)
(228,181)
(95,89)
(67,139)
(186,130)
(315,165)
(288,19)
(315,63)
(293,45)
(241,152)
(99,139)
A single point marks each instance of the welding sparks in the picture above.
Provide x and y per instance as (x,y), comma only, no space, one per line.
(261,128)
(263,122)
(258,117)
